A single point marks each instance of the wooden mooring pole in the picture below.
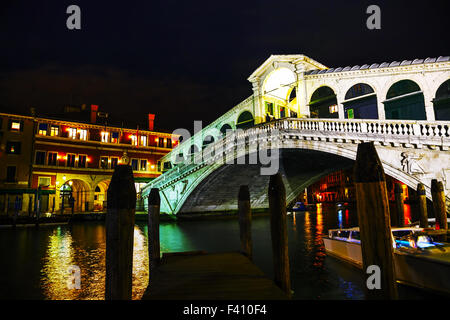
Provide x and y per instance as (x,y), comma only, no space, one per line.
(120,234)
(439,208)
(278,230)
(154,202)
(399,201)
(245,221)
(423,213)
(374,221)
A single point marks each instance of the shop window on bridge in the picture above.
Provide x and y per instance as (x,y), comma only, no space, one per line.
(321,101)
(405,101)
(269,109)
(441,102)
(245,120)
(360,102)
(283,113)
(208,140)
(226,127)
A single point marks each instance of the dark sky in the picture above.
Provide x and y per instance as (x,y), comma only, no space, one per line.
(189,60)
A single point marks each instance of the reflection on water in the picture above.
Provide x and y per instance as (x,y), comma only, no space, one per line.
(37,262)
(63,252)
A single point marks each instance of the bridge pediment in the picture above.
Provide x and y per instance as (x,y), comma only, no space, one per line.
(294,62)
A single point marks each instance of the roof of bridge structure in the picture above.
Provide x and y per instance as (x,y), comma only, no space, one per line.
(379,65)
(310,64)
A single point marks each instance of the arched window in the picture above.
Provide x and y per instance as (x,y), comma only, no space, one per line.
(323,103)
(441,102)
(405,101)
(360,102)
(245,120)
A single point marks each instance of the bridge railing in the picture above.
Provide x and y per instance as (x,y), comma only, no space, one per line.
(419,133)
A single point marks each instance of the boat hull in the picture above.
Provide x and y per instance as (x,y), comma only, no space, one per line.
(416,270)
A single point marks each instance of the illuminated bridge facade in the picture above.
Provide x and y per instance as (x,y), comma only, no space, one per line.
(313,117)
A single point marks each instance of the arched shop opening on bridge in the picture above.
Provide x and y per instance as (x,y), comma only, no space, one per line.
(245,120)
(207,140)
(441,102)
(226,127)
(360,102)
(405,101)
(323,103)
(279,94)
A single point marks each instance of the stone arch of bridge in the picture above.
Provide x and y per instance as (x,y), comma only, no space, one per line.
(317,160)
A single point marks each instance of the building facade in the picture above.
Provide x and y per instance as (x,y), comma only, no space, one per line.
(49,163)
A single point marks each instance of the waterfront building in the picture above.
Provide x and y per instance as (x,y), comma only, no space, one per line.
(46,161)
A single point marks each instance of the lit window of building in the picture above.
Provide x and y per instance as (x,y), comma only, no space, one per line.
(82,134)
(52,158)
(43,129)
(143,165)
(54,131)
(44,181)
(15,126)
(133,140)
(115,137)
(144,141)
(161,143)
(72,133)
(169,143)
(104,162)
(82,161)
(13,147)
(105,136)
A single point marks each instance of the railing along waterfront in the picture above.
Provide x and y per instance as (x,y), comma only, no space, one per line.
(396,132)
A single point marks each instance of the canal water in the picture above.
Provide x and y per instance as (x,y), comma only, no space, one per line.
(36,262)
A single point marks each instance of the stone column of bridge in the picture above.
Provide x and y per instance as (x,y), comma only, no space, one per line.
(258,103)
(301,93)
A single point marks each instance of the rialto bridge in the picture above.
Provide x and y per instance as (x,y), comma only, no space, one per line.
(306,120)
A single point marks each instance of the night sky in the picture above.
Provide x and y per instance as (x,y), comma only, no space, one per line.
(189,60)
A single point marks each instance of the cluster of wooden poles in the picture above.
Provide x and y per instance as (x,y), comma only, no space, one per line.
(373,216)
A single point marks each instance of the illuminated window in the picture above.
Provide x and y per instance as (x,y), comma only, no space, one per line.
(82,134)
(333,108)
(114,162)
(169,143)
(144,141)
(161,143)
(72,133)
(13,147)
(40,157)
(82,161)
(133,140)
(70,160)
(115,137)
(15,126)
(105,136)
(43,129)
(52,158)
(143,165)
(44,181)
(104,162)
(54,131)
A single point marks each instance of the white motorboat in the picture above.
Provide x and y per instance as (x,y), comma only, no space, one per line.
(419,261)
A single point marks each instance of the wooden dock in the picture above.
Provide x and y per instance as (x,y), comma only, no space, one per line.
(210,276)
